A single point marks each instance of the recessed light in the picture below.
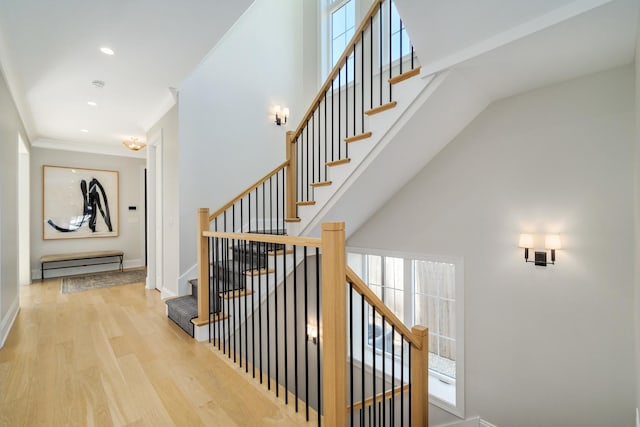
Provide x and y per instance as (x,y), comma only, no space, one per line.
(107,50)
(91,103)
(84,131)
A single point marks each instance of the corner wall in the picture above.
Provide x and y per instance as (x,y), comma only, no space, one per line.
(10,127)
(227,136)
(168,124)
(131,193)
(547,346)
(637,219)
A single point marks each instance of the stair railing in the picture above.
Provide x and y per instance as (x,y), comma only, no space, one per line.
(289,287)
(360,84)
(259,208)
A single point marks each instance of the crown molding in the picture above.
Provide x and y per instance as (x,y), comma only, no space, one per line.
(108,149)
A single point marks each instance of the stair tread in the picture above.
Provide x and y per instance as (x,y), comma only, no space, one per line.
(321,183)
(358,137)
(381,108)
(404,76)
(306,203)
(236,294)
(339,162)
(293,219)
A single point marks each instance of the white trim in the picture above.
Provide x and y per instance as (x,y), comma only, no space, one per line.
(166,293)
(9,319)
(459,408)
(108,149)
(183,279)
(483,423)
(201,333)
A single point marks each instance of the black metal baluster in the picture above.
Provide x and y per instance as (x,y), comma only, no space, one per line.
(373,347)
(253,311)
(286,365)
(306,343)
(270,206)
(325,136)
(380,61)
(339,115)
(210,283)
(402,379)
(392,400)
(371,61)
(355,69)
(268,334)
(410,384)
(362,81)
(246,312)
(333,119)
(261,248)
(275,315)
(384,375)
(306,127)
(313,148)
(362,370)
(318,378)
(390,50)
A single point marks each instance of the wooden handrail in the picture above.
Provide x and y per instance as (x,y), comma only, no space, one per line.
(370,401)
(267,238)
(381,308)
(336,69)
(248,190)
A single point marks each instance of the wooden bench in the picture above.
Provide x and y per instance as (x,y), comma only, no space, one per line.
(80,256)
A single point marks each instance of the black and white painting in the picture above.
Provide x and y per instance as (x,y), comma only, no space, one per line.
(79,203)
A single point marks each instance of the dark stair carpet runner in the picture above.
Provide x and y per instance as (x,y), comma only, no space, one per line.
(184,309)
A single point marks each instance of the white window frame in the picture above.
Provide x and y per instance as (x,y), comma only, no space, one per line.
(439,385)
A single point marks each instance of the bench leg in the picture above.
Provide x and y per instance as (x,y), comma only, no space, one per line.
(121,266)
(41,271)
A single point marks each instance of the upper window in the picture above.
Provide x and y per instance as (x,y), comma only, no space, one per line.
(420,291)
(340,18)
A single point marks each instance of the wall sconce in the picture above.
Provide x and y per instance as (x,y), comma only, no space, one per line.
(551,243)
(281,116)
(312,333)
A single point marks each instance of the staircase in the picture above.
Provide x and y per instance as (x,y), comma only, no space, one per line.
(272,299)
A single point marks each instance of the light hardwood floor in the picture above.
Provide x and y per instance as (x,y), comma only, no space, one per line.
(112,357)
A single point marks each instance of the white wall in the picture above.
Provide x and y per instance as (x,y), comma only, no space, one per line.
(131,193)
(637,215)
(544,346)
(227,136)
(10,127)
(168,124)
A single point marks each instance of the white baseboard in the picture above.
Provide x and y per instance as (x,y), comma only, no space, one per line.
(637,417)
(469,422)
(183,281)
(8,320)
(166,293)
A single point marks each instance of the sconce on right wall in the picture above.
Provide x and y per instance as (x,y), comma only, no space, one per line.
(551,243)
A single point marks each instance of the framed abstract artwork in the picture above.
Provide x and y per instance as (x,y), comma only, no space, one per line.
(79,203)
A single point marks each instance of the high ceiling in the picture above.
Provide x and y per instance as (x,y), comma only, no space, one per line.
(50,55)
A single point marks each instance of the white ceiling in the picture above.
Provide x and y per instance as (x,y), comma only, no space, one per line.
(49,52)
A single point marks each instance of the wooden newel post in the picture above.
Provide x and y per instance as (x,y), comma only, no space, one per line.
(333,332)
(291,175)
(420,378)
(203,266)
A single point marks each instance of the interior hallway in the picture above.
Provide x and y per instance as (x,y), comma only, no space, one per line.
(112,357)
